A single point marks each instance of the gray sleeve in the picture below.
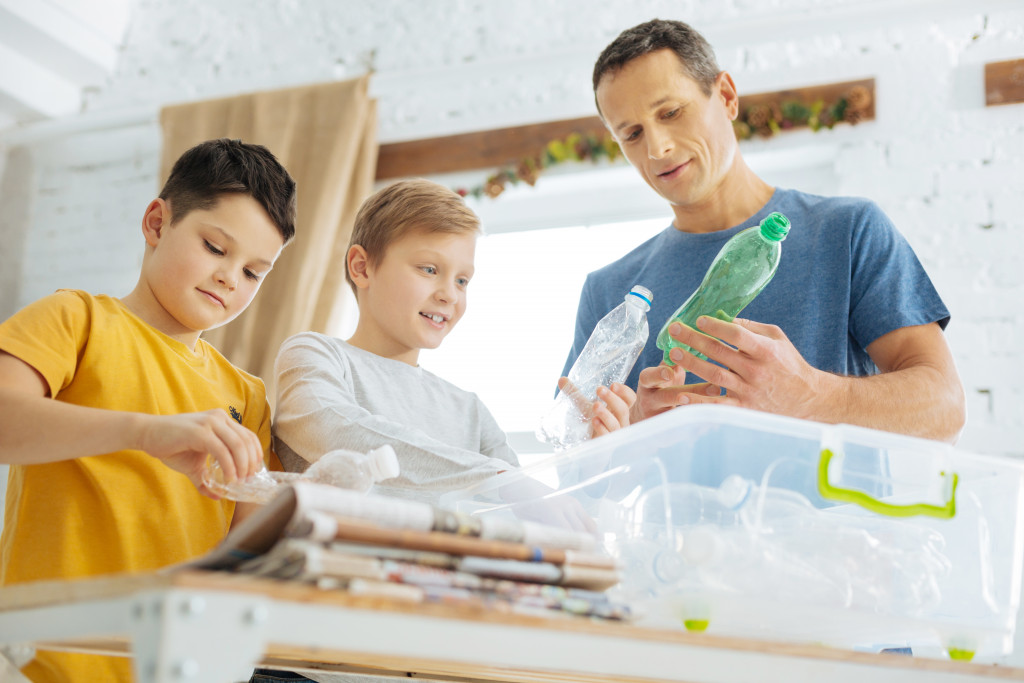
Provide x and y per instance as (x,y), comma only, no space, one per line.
(318,411)
(493,440)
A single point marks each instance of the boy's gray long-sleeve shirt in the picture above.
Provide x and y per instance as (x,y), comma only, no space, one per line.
(333,395)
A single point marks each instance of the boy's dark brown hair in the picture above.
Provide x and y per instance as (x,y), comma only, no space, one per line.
(216,167)
(402,207)
(694,52)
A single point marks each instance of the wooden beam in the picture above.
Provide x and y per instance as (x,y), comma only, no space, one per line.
(503,146)
(471,151)
(1004,82)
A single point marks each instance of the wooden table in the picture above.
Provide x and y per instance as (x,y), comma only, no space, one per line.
(206,627)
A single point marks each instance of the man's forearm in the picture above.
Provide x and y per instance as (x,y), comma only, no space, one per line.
(918,401)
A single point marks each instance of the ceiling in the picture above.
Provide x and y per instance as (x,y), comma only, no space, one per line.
(51,51)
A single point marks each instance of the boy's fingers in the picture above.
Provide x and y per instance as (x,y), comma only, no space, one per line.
(241,446)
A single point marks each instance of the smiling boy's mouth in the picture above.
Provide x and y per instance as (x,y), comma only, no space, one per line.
(435,317)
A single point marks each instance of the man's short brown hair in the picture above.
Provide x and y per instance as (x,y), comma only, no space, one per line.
(403,207)
(694,52)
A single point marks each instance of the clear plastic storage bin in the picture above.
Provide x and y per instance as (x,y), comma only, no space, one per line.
(745,523)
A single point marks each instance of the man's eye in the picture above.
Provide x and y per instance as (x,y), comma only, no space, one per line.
(633,136)
(212,249)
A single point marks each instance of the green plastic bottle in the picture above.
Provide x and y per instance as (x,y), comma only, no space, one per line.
(743,267)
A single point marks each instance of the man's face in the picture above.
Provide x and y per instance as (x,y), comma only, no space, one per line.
(680,140)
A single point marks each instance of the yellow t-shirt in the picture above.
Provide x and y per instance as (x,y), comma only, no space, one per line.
(123,511)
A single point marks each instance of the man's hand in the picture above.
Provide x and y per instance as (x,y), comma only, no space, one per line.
(664,387)
(762,369)
(183,441)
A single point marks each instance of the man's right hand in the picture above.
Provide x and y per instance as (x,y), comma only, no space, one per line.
(183,441)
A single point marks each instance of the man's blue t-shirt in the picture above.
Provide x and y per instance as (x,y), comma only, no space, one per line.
(846,277)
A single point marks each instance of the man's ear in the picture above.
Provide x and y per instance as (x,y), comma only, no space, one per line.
(358,264)
(725,88)
(156,218)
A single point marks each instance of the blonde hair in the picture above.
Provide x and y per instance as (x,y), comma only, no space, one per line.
(405,206)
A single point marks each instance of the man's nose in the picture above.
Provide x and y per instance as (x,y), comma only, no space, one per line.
(659,144)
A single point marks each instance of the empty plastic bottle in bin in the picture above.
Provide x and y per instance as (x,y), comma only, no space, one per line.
(342,468)
(742,268)
(609,355)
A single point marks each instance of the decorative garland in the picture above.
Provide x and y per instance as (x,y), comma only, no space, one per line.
(574,148)
(771,118)
(764,120)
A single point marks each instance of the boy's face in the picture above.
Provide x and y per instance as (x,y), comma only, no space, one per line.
(205,269)
(416,294)
(680,141)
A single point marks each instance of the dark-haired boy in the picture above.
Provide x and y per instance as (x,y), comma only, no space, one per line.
(109,407)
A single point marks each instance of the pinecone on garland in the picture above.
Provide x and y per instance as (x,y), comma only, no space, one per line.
(858,99)
(494,187)
(853,116)
(758,116)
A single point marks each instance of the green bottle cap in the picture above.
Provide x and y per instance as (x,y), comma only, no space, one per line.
(775,227)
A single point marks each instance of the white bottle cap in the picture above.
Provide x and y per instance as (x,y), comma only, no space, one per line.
(385,461)
(643,293)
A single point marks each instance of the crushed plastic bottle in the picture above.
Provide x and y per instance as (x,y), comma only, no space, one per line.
(742,268)
(342,468)
(609,355)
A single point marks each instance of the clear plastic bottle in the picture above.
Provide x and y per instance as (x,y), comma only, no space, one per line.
(742,268)
(342,468)
(354,470)
(608,357)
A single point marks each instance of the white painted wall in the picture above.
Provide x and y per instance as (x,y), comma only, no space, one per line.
(947,169)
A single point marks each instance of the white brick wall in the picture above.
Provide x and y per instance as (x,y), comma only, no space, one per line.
(947,169)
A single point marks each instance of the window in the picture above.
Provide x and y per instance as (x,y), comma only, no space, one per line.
(513,341)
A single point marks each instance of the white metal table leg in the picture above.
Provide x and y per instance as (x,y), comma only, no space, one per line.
(194,636)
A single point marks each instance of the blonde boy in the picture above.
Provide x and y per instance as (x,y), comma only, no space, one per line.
(109,407)
(410,263)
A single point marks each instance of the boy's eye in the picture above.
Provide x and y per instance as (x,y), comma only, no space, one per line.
(462,281)
(671,114)
(212,249)
(431,270)
(250,274)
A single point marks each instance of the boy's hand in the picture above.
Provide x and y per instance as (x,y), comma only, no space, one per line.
(531,500)
(183,441)
(611,410)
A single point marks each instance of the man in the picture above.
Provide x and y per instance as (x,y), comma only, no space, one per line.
(849,330)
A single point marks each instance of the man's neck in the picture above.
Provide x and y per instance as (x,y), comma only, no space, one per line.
(741,195)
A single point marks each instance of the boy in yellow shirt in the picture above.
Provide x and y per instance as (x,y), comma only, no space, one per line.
(109,407)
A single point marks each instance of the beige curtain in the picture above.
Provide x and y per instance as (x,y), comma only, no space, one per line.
(326,136)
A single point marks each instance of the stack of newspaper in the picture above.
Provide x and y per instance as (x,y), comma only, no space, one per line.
(376,545)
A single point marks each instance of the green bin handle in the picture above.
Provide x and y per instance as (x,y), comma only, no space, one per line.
(830,492)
